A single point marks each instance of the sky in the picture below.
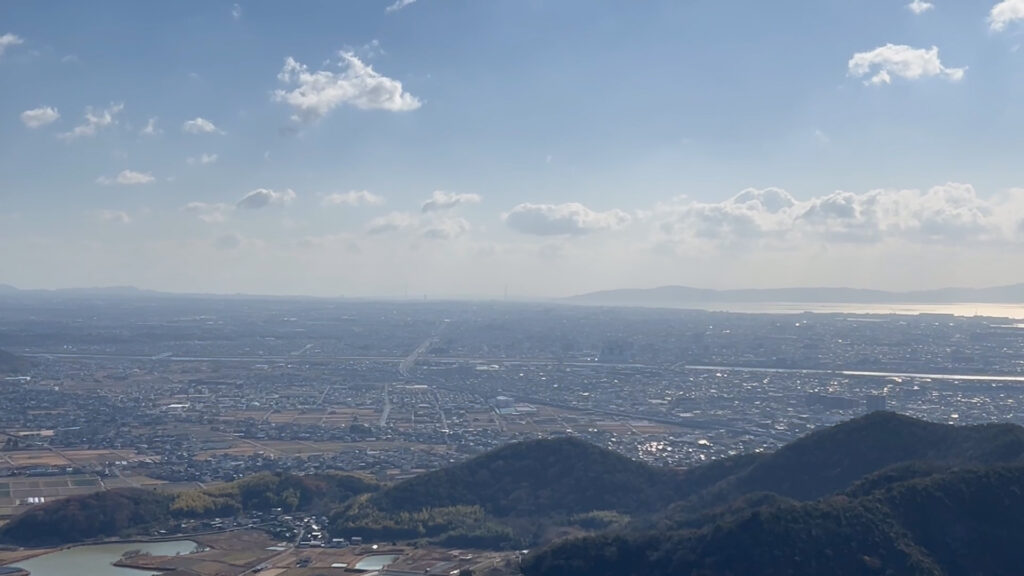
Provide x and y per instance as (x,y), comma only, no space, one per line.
(539,148)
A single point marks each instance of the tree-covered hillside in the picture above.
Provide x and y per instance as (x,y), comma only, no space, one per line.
(901,496)
(962,522)
(132,511)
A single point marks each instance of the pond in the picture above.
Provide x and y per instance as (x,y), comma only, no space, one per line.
(375,562)
(99,560)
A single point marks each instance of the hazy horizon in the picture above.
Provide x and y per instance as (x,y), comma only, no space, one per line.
(383,148)
(996,300)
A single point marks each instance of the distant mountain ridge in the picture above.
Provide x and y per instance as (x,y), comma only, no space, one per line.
(681,295)
(6,289)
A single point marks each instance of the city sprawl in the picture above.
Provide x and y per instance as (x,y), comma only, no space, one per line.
(180,392)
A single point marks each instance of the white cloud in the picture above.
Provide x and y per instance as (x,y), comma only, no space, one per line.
(358,85)
(398,5)
(200,126)
(38,117)
(920,6)
(262,197)
(903,61)
(353,198)
(8,40)
(951,213)
(202,159)
(441,200)
(1004,13)
(446,229)
(93,122)
(752,213)
(127,178)
(370,50)
(392,222)
(569,219)
(209,213)
(429,226)
(150,129)
(70,59)
(114,216)
(236,11)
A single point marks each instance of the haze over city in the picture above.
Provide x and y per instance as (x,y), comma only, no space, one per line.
(511,288)
(547,148)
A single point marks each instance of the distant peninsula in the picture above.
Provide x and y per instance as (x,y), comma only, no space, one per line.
(684,295)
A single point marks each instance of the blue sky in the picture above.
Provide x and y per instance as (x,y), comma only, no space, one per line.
(452,148)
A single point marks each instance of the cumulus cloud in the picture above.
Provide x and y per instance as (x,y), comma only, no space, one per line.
(202,159)
(353,198)
(903,61)
(150,129)
(429,226)
(38,117)
(127,178)
(314,94)
(114,216)
(398,5)
(569,219)
(951,213)
(1004,13)
(392,222)
(236,11)
(751,213)
(920,6)
(8,40)
(94,121)
(262,197)
(441,200)
(200,125)
(209,213)
(446,229)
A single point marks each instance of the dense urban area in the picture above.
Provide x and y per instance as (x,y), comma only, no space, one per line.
(194,397)
(141,390)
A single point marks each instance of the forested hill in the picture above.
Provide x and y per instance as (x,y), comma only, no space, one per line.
(540,478)
(960,522)
(528,494)
(831,459)
(901,496)
(126,512)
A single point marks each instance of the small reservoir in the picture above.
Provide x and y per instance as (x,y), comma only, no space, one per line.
(375,562)
(99,560)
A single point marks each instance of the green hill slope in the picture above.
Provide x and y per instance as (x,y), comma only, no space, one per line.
(518,495)
(539,478)
(832,459)
(957,523)
(132,511)
(530,493)
(120,512)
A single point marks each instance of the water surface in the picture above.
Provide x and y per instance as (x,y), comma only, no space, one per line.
(99,560)
(375,562)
